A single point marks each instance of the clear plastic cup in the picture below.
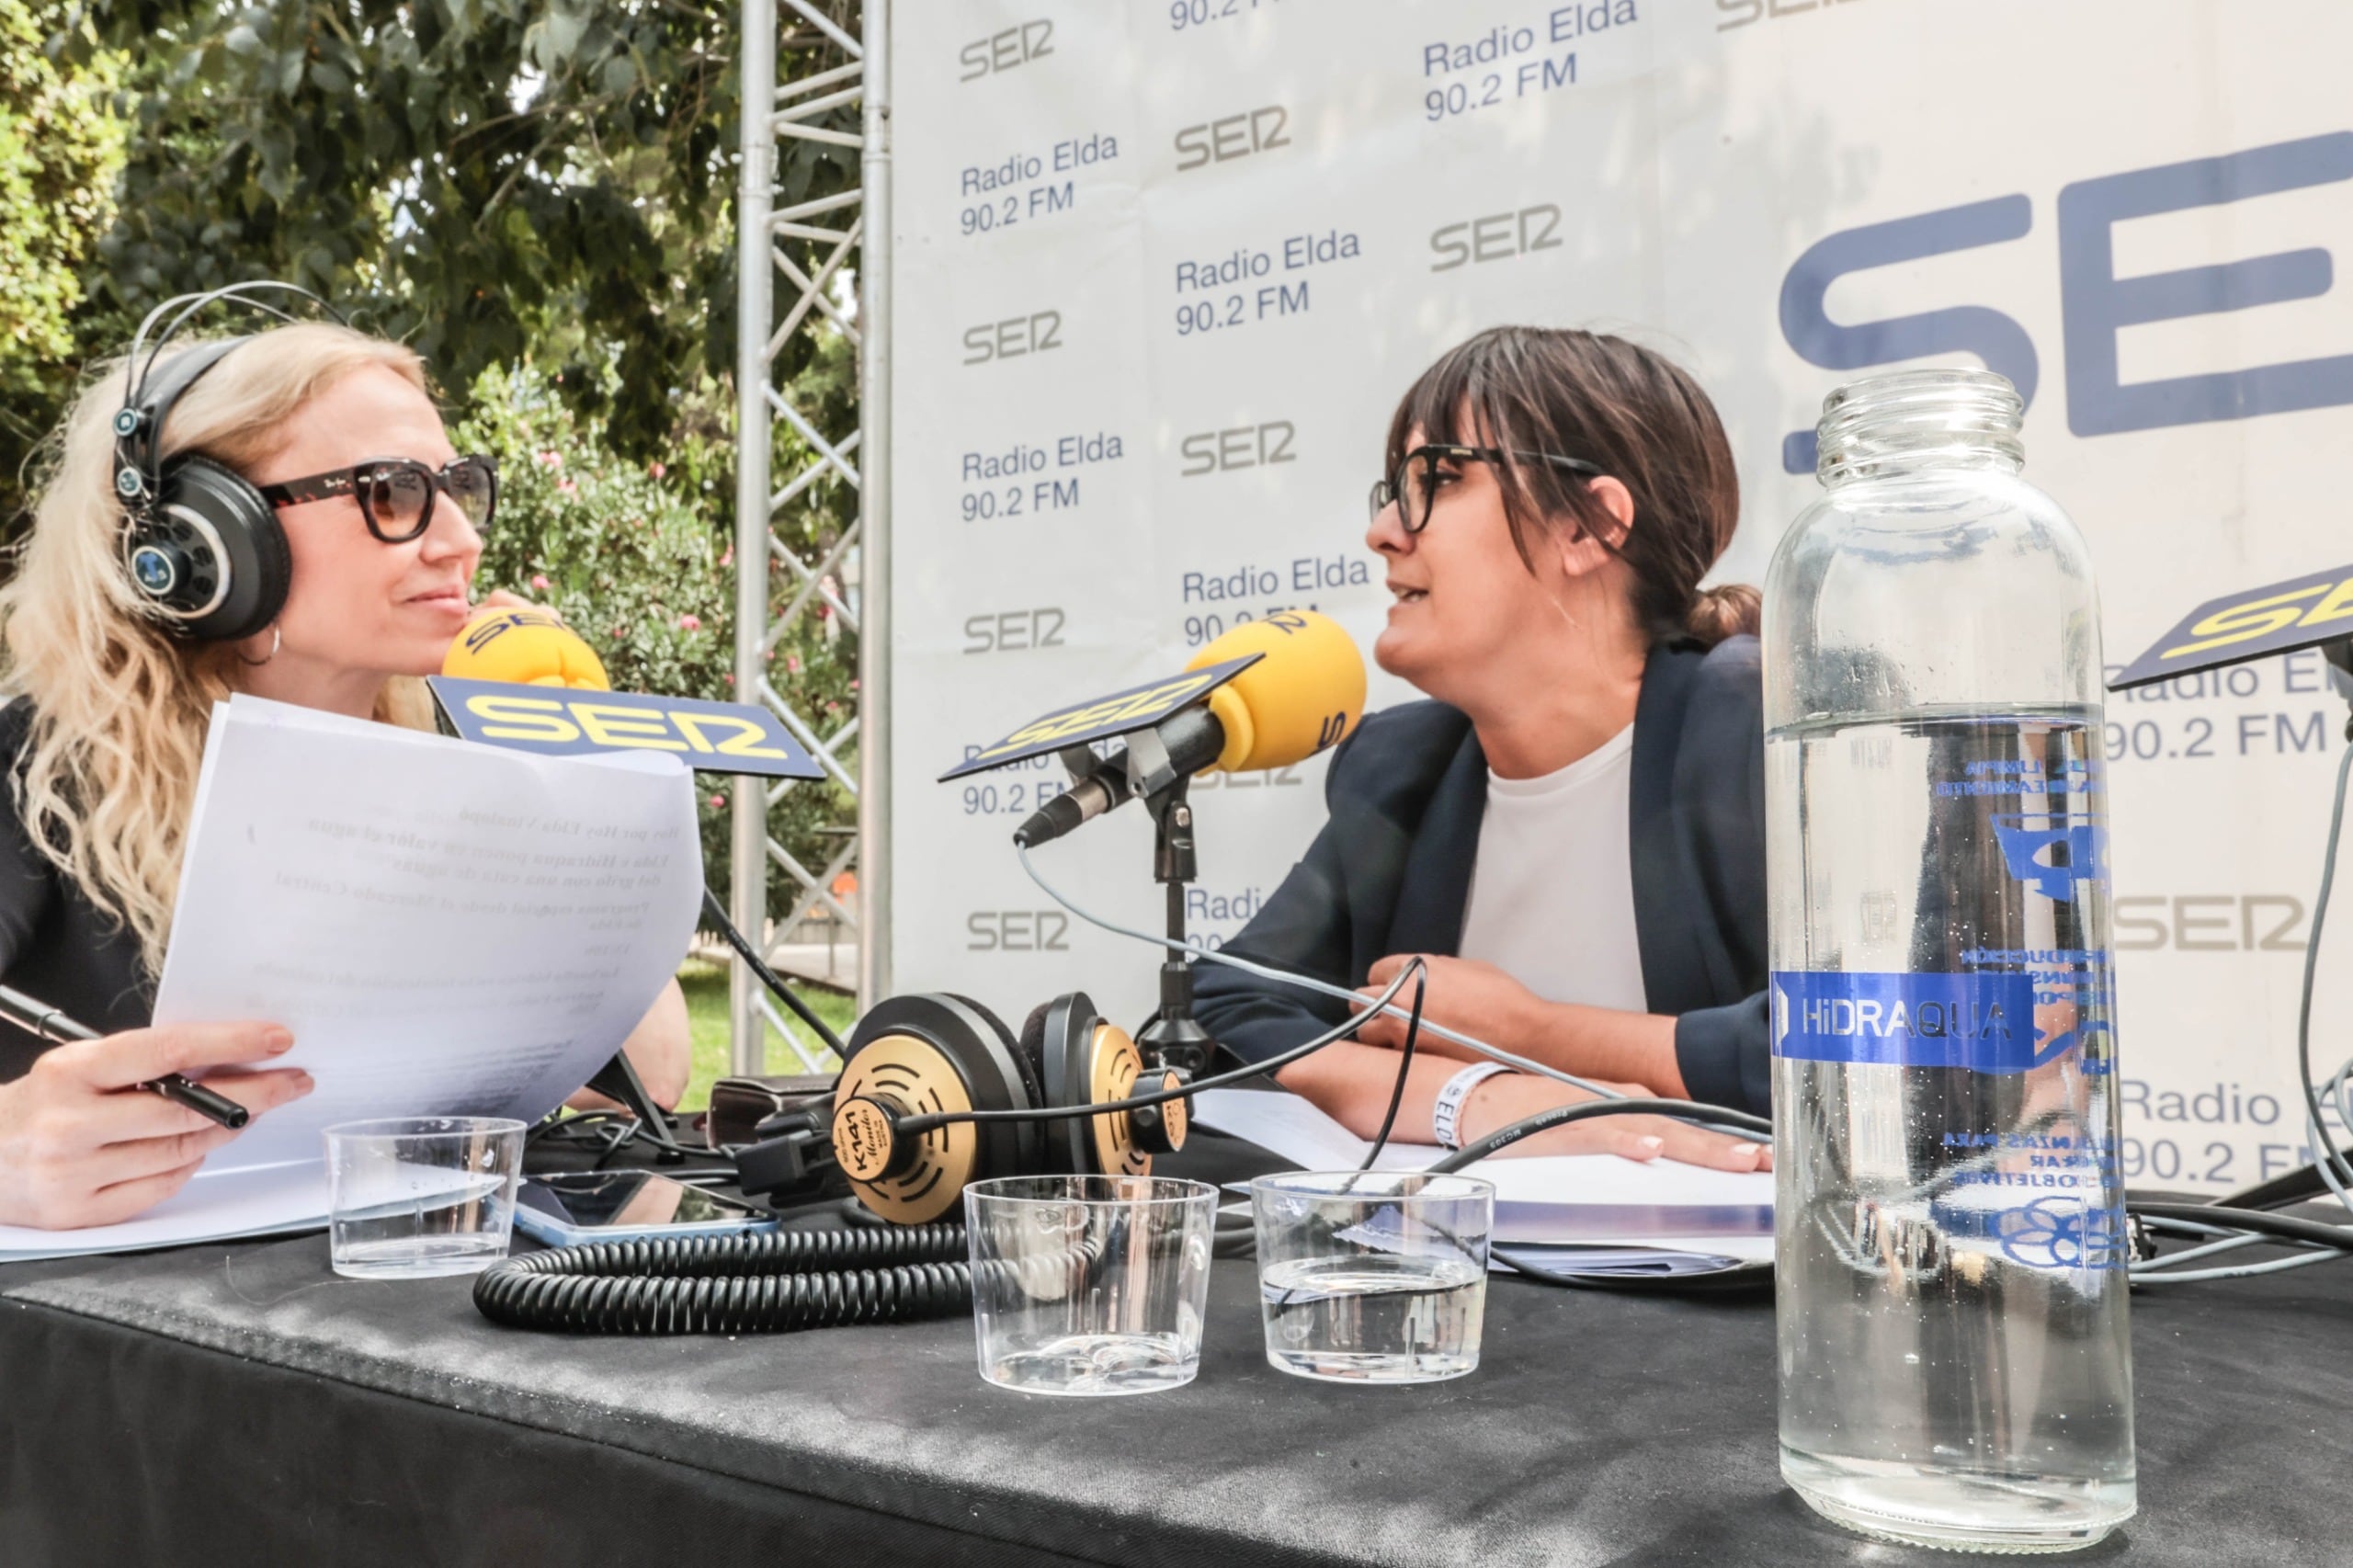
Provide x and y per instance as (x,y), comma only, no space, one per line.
(1378,1277)
(412,1198)
(1089,1285)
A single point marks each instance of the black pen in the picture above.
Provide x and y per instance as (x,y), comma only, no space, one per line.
(38,1018)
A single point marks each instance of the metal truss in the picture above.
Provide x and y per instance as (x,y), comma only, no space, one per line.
(853,753)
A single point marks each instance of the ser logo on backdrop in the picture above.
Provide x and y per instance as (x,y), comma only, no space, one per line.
(2211,922)
(1237,446)
(1006,49)
(1233,136)
(2096,305)
(1746,12)
(1040,331)
(1014,631)
(1017,931)
(1497,236)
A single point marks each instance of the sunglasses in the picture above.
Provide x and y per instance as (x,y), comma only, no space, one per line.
(1412,489)
(396,495)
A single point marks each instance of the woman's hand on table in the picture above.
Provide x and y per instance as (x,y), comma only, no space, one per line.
(1604,1044)
(1463,994)
(82,1145)
(1497,1102)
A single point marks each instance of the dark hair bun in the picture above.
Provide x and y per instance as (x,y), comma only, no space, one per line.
(1728,610)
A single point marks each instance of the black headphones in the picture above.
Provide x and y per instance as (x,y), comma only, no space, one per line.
(915,1059)
(204,552)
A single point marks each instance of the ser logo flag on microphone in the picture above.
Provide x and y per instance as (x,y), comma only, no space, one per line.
(1101,718)
(2253,623)
(710,737)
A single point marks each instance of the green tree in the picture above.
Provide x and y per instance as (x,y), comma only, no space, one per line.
(491,180)
(537,194)
(60,149)
(497,182)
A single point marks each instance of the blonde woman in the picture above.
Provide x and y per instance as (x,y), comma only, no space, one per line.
(105,722)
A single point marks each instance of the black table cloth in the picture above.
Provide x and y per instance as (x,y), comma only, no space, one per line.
(240,1404)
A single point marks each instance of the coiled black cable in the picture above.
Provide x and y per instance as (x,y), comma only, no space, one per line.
(771,1283)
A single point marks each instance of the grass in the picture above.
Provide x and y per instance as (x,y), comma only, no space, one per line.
(705,988)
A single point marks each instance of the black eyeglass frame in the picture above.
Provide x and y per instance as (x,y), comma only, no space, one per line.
(356,480)
(1390,490)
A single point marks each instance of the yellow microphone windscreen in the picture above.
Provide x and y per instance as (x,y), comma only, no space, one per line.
(530,647)
(1305,695)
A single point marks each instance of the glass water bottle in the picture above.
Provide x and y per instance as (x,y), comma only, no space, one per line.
(1955,1366)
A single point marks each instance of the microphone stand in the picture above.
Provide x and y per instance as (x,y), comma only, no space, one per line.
(1174,1038)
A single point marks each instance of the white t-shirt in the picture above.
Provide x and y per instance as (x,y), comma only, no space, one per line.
(1552,891)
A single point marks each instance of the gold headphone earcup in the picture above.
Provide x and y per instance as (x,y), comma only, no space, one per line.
(921,1055)
(1087,1061)
(914,1075)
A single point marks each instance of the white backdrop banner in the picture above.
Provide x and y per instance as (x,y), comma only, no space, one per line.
(1164,267)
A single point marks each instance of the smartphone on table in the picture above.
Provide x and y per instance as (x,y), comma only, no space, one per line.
(606,1206)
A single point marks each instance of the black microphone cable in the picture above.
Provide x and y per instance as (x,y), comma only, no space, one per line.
(1404,1065)
(2230,1228)
(1229,1237)
(2334,1168)
(717,913)
(1715,1118)
(915,1126)
(610,1132)
(633,1132)
(2319,1243)
(1245,1236)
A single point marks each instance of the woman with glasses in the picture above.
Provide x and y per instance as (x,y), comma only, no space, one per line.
(1572,830)
(104,729)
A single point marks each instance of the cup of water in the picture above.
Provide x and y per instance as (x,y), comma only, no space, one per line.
(1372,1276)
(416,1196)
(1089,1285)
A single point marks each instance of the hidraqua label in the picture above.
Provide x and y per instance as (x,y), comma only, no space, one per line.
(1983,1022)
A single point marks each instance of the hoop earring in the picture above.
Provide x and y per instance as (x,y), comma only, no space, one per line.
(276,638)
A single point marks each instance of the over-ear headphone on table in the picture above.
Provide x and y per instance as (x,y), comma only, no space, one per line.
(936,1094)
(204,552)
(933,1094)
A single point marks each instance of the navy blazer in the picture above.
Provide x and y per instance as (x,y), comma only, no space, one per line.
(1391,870)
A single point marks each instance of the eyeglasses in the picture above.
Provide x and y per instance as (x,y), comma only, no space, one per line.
(1412,489)
(395,494)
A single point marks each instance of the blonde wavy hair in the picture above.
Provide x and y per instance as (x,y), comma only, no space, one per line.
(107,775)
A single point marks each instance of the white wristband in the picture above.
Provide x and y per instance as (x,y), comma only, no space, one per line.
(1458,1088)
